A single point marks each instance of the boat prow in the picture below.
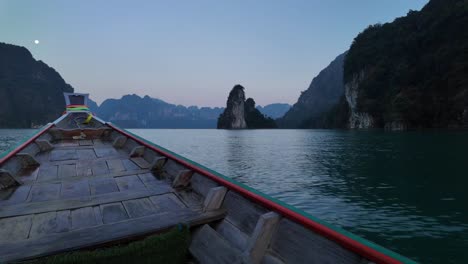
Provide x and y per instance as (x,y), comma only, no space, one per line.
(81,185)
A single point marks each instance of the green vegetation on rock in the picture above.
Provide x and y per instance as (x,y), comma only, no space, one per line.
(31,91)
(413,72)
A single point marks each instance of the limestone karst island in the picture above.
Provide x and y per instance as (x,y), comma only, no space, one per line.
(211,132)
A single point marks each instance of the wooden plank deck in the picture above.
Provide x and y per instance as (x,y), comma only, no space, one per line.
(86,193)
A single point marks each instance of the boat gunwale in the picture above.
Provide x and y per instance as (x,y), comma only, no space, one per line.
(5,156)
(352,242)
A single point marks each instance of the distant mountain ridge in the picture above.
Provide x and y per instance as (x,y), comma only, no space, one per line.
(31,92)
(133,111)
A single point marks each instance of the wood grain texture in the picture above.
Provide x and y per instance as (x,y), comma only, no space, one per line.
(129,165)
(214,199)
(294,244)
(83,217)
(86,154)
(63,221)
(86,142)
(232,234)
(241,212)
(208,247)
(141,162)
(14,195)
(106,152)
(258,243)
(15,228)
(74,189)
(139,207)
(91,237)
(131,182)
(63,154)
(166,202)
(202,184)
(99,167)
(113,212)
(44,192)
(43,224)
(115,165)
(56,205)
(67,170)
(47,173)
(102,186)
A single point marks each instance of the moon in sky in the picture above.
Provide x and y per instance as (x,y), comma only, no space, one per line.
(36,42)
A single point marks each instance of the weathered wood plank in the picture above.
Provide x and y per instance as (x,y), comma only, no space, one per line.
(166,202)
(47,173)
(63,154)
(28,175)
(270,259)
(99,167)
(113,212)
(67,170)
(102,186)
(191,199)
(63,221)
(31,149)
(44,192)
(86,154)
(150,180)
(43,224)
(119,141)
(66,143)
(209,247)
(86,142)
(64,204)
(141,162)
(260,239)
(75,189)
(236,238)
(105,152)
(202,184)
(44,145)
(7,180)
(139,207)
(137,151)
(294,243)
(149,155)
(83,217)
(14,195)
(214,198)
(172,168)
(15,228)
(91,237)
(98,214)
(241,212)
(115,165)
(129,165)
(131,182)
(182,179)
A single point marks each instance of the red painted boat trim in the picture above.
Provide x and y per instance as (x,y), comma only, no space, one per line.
(354,246)
(27,142)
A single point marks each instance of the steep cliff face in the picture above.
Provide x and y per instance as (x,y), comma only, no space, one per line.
(31,92)
(323,93)
(241,113)
(411,73)
(233,116)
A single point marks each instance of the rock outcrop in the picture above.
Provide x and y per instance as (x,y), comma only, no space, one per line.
(412,72)
(313,104)
(241,113)
(31,92)
(233,116)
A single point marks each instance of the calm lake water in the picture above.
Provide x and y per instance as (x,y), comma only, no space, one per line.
(406,191)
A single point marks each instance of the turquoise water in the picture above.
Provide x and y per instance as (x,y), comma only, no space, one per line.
(406,191)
